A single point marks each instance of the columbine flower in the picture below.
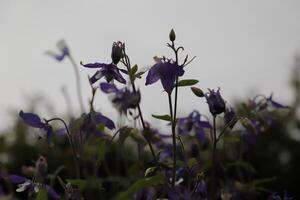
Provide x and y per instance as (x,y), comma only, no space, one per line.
(123,99)
(194,121)
(215,102)
(35,121)
(33,187)
(110,71)
(167,72)
(92,120)
(64,51)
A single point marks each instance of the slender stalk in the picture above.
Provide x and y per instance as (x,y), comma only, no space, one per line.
(76,163)
(213,174)
(126,62)
(78,83)
(173,140)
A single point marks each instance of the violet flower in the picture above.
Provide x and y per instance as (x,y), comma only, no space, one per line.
(167,72)
(63,51)
(110,71)
(194,121)
(35,121)
(229,116)
(215,102)
(123,99)
(274,103)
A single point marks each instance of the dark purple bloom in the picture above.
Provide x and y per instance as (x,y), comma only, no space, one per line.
(117,52)
(109,71)
(194,121)
(17,179)
(276,196)
(35,121)
(63,51)
(167,72)
(215,102)
(274,103)
(180,193)
(91,122)
(123,99)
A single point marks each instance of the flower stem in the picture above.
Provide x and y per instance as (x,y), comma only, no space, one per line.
(76,163)
(213,175)
(78,83)
(173,140)
(126,62)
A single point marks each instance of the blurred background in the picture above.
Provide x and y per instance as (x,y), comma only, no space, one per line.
(244,47)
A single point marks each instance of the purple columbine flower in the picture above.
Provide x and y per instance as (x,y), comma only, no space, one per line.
(215,102)
(35,121)
(110,71)
(167,72)
(194,121)
(276,196)
(63,51)
(33,187)
(123,99)
(92,120)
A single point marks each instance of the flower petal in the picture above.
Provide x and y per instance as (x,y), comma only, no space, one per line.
(17,179)
(99,118)
(108,88)
(94,65)
(153,75)
(32,119)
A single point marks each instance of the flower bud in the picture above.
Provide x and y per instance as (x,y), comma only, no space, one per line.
(116,52)
(172,35)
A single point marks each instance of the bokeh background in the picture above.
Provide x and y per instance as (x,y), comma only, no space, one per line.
(244,47)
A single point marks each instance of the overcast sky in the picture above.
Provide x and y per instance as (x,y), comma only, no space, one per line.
(241,46)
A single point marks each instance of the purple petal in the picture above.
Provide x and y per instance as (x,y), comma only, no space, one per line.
(17,179)
(276,104)
(113,71)
(96,76)
(94,65)
(99,118)
(108,88)
(152,76)
(32,119)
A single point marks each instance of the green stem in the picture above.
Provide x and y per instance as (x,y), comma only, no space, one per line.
(213,174)
(76,163)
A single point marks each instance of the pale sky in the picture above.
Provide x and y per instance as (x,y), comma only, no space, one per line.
(241,46)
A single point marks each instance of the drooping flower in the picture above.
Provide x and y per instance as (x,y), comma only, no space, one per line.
(110,71)
(167,72)
(63,51)
(123,99)
(35,121)
(194,121)
(215,102)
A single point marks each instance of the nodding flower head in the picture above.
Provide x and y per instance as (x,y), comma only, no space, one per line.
(167,72)
(63,51)
(229,116)
(117,52)
(215,102)
(35,121)
(123,99)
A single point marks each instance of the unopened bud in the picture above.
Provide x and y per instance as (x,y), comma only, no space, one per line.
(172,36)
(116,52)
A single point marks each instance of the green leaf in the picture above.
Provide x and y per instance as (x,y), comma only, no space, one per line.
(139,185)
(42,194)
(197,91)
(132,72)
(102,146)
(78,182)
(192,162)
(187,82)
(163,117)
